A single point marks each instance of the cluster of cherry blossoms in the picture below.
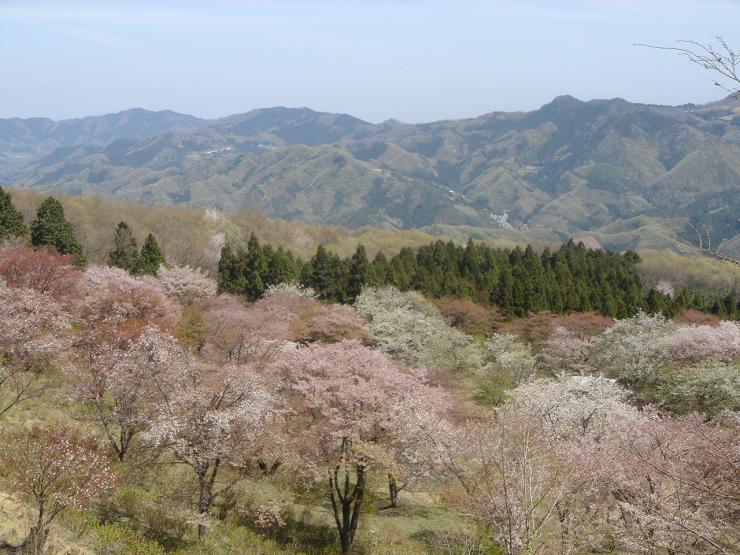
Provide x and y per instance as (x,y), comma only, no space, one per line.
(626,440)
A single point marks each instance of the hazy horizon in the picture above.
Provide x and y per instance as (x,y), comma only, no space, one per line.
(469,116)
(404,59)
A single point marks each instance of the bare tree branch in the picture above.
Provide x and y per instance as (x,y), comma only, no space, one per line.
(720,59)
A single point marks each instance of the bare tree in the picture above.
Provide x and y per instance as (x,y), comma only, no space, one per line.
(720,59)
(724,62)
(703,240)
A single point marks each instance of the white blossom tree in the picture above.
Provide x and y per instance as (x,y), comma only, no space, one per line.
(207,417)
(414,332)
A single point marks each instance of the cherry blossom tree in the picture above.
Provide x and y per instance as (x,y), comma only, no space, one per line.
(674,480)
(55,469)
(347,400)
(566,353)
(186,284)
(208,417)
(414,332)
(512,479)
(291,288)
(505,353)
(41,269)
(632,349)
(330,323)
(112,297)
(694,343)
(710,387)
(119,381)
(574,406)
(237,334)
(33,330)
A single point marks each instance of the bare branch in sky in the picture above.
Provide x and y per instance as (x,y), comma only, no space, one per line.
(720,59)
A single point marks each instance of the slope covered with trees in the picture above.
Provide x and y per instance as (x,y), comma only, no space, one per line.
(213,422)
(569,167)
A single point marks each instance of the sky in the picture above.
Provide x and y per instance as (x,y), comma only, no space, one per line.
(412,60)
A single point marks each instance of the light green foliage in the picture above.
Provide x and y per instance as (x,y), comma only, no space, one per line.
(508,363)
(710,387)
(633,349)
(413,331)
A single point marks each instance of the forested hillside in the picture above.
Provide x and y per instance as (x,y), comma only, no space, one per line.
(519,280)
(628,174)
(146,407)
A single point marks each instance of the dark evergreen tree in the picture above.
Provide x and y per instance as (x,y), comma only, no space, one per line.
(11,221)
(150,257)
(229,278)
(51,228)
(378,274)
(281,267)
(125,253)
(572,278)
(254,269)
(324,274)
(359,269)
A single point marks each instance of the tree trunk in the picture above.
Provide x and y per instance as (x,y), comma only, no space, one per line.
(393,490)
(268,469)
(35,542)
(347,503)
(206,480)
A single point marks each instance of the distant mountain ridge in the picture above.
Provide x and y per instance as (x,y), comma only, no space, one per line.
(568,168)
(27,137)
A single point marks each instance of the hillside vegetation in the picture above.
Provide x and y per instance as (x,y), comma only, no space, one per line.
(143,411)
(626,174)
(195,236)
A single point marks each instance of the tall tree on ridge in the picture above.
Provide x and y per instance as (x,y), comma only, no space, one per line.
(11,220)
(125,253)
(151,256)
(51,228)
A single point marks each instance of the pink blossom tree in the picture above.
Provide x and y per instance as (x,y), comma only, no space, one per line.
(694,343)
(112,297)
(186,284)
(40,269)
(55,469)
(119,381)
(675,483)
(346,398)
(512,480)
(235,333)
(33,330)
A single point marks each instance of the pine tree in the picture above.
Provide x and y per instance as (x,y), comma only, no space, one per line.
(254,269)
(125,253)
(504,296)
(324,274)
(359,268)
(378,271)
(229,277)
(51,228)
(150,257)
(281,267)
(11,221)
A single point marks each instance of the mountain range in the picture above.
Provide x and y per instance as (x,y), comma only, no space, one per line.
(628,175)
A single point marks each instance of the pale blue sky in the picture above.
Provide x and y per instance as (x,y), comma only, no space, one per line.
(412,60)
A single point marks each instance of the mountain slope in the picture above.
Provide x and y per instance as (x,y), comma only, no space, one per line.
(24,138)
(568,168)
